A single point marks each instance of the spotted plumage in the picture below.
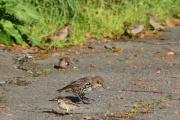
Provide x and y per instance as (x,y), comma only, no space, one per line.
(83,86)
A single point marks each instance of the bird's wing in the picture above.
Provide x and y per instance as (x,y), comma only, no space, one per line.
(76,84)
(58,32)
(68,101)
(157,21)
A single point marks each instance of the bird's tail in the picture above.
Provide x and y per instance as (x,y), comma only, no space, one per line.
(60,90)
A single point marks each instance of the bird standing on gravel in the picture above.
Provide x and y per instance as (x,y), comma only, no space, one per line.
(133,29)
(155,22)
(64,62)
(66,104)
(83,86)
(60,34)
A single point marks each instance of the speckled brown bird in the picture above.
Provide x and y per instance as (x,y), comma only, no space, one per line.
(83,86)
(64,62)
(155,22)
(60,34)
(133,29)
(66,104)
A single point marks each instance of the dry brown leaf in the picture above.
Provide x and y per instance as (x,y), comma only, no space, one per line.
(120,98)
(92,65)
(170,49)
(78,52)
(88,35)
(115,54)
(8,114)
(145,112)
(176,112)
(178,99)
(118,50)
(169,24)
(175,76)
(55,55)
(74,67)
(130,61)
(170,53)
(158,72)
(3,106)
(142,36)
(109,62)
(87,118)
(110,105)
(170,63)
(137,67)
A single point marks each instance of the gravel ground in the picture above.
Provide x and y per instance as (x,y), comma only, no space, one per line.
(142,81)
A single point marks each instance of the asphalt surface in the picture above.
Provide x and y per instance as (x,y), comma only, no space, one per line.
(142,82)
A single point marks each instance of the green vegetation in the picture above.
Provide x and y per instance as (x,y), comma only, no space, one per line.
(14,15)
(101,18)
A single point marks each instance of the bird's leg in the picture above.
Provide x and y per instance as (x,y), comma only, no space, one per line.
(81,99)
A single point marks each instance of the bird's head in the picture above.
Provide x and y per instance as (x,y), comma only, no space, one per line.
(97,82)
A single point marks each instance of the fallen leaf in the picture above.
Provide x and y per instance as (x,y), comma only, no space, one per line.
(175,76)
(87,118)
(142,36)
(74,67)
(158,72)
(176,112)
(170,49)
(163,38)
(92,65)
(8,114)
(118,50)
(115,54)
(170,53)
(169,24)
(110,105)
(88,35)
(137,67)
(55,55)
(137,55)
(3,106)
(145,112)
(170,63)
(130,61)
(78,52)
(178,99)
(120,98)
(109,62)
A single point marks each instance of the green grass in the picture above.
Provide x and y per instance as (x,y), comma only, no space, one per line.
(99,17)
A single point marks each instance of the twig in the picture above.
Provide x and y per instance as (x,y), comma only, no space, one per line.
(160,92)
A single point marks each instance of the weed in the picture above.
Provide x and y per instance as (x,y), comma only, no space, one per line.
(100,18)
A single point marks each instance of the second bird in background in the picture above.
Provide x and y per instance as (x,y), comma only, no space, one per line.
(155,22)
(60,34)
(64,62)
(133,29)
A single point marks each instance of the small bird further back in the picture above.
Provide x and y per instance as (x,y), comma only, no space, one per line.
(64,62)
(155,22)
(60,34)
(134,29)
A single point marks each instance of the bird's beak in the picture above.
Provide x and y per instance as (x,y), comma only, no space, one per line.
(55,99)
